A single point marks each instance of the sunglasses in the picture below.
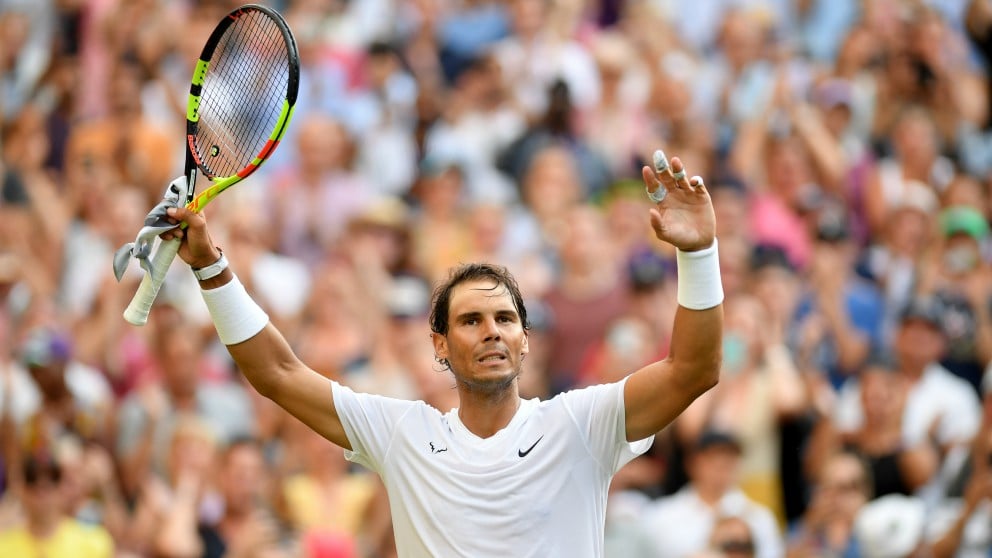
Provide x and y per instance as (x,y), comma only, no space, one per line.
(36,473)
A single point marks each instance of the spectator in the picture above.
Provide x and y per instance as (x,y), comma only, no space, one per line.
(247,526)
(844,310)
(961,283)
(75,399)
(896,468)
(760,388)
(841,487)
(939,406)
(681,524)
(47,530)
(592,292)
(182,385)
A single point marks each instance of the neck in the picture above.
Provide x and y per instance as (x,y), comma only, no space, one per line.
(709,496)
(913,371)
(43,527)
(486,412)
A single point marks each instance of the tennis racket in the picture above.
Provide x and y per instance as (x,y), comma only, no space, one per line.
(241,99)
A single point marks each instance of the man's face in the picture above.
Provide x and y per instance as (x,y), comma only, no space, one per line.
(486,341)
(715,468)
(42,496)
(918,342)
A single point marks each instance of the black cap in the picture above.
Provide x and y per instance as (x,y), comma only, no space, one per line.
(926,309)
(647,269)
(765,256)
(718,439)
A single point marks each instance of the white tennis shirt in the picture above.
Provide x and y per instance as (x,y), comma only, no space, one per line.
(537,487)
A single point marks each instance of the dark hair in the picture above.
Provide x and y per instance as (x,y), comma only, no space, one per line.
(441,300)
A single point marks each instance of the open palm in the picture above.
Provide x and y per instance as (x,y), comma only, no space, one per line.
(684,217)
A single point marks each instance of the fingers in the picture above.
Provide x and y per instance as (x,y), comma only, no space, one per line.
(656,191)
(668,176)
(679,179)
(670,173)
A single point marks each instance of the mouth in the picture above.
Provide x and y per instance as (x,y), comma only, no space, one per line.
(492,357)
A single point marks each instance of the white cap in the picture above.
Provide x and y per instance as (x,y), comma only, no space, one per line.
(890,526)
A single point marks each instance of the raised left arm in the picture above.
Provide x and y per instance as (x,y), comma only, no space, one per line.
(656,394)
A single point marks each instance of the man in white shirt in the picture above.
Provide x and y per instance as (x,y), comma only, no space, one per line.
(499,475)
(940,408)
(680,524)
(939,404)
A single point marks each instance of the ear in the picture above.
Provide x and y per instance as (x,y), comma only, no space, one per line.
(525,346)
(440,345)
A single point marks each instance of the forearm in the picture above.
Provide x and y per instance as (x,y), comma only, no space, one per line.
(265,358)
(177,536)
(983,333)
(828,157)
(260,355)
(697,357)
(659,392)
(919,464)
(789,391)
(852,345)
(947,545)
(697,333)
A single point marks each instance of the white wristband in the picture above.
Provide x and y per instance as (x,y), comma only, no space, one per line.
(699,278)
(236,316)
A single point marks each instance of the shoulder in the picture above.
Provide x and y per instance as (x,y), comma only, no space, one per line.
(88,540)
(671,506)
(346,396)
(587,395)
(936,377)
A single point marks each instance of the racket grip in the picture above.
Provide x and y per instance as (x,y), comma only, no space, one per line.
(137,311)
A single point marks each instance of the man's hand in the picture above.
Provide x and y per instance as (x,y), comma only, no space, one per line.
(684,217)
(197,249)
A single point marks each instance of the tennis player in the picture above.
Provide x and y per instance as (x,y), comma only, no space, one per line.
(498,476)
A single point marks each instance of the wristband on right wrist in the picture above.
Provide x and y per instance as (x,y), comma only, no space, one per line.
(699,284)
(212,270)
(235,315)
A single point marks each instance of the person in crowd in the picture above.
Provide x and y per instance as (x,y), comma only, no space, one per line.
(46,530)
(681,524)
(842,485)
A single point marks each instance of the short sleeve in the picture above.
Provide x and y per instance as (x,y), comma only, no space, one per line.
(370,421)
(599,413)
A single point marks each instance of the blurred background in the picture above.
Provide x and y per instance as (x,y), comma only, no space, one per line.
(847,145)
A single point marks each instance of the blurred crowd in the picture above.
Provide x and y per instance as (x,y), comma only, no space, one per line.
(847,145)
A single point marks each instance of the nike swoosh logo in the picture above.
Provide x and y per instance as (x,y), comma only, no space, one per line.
(523,453)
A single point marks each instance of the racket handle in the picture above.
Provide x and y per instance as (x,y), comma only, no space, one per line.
(137,311)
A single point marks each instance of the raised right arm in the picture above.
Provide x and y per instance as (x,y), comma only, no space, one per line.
(261,352)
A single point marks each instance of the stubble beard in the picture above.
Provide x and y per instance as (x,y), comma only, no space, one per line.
(494,389)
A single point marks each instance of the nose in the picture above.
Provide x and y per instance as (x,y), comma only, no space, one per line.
(491,330)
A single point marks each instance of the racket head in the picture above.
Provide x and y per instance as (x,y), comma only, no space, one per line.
(241,97)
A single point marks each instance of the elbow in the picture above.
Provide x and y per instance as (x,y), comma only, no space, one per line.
(705,376)
(711,378)
(268,383)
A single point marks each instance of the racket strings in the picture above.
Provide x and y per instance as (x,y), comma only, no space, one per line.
(243,94)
